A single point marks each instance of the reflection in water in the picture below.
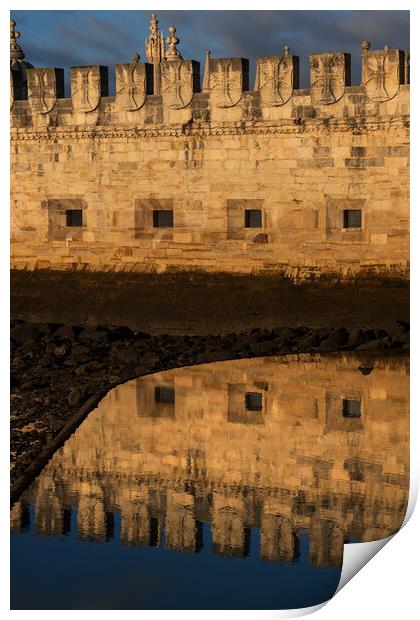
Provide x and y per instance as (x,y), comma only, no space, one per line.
(247,459)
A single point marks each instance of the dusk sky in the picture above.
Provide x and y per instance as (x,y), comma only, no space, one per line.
(66,38)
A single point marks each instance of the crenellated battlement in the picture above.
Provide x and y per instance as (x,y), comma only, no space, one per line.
(170,89)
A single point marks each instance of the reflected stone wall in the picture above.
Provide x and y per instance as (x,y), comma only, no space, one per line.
(285,445)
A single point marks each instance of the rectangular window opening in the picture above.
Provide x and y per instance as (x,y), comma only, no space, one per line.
(352,408)
(74,217)
(253,218)
(163,219)
(253,401)
(164,394)
(352,218)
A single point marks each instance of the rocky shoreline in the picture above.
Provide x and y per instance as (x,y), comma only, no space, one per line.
(59,372)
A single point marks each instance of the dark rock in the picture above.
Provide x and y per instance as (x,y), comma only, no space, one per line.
(334,340)
(81,370)
(66,332)
(284,332)
(60,351)
(264,334)
(119,333)
(264,347)
(28,345)
(93,334)
(323,333)
(24,332)
(380,334)
(309,340)
(403,338)
(55,423)
(75,396)
(150,359)
(372,345)
(142,335)
(52,327)
(405,326)
(243,340)
(130,356)
(387,340)
(356,338)
(369,334)
(79,355)
(14,380)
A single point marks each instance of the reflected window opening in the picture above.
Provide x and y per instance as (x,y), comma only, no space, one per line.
(253,218)
(352,408)
(163,219)
(352,218)
(253,401)
(164,394)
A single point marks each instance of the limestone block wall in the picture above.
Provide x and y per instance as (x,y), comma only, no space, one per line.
(298,181)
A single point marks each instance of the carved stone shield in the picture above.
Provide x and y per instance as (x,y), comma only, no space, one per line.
(131,85)
(177,83)
(330,74)
(42,89)
(85,88)
(381,73)
(275,79)
(225,81)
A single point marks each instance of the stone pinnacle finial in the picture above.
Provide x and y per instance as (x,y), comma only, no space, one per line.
(206,78)
(365,45)
(155,45)
(154,24)
(16,52)
(135,57)
(286,50)
(386,47)
(172,53)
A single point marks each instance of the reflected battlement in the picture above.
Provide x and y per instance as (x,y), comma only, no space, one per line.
(285,445)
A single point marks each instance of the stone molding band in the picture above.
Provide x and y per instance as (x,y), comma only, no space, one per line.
(296,127)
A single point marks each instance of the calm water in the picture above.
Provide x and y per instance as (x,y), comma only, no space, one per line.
(231,485)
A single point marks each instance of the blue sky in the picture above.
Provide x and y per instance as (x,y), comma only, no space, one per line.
(66,38)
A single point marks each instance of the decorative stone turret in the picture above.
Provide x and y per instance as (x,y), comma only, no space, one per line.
(155,43)
(18,67)
(155,51)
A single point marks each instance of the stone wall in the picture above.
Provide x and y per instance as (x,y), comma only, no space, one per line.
(271,179)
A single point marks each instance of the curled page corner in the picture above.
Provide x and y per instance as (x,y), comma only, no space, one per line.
(356,556)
